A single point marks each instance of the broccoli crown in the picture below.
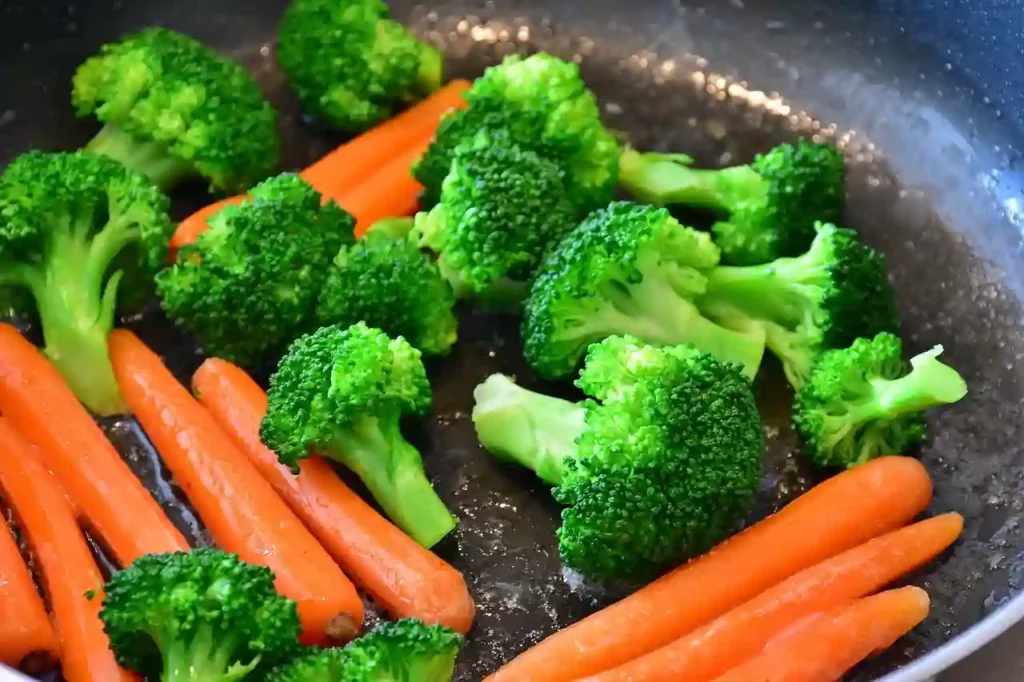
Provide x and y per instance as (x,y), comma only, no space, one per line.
(174,108)
(403,651)
(350,64)
(864,401)
(200,616)
(660,464)
(74,227)
(836,292)
(542,103)
(248,285)
(401,291)
(627,269)
(502,208)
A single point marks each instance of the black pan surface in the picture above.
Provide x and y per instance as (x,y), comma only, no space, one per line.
(934,183)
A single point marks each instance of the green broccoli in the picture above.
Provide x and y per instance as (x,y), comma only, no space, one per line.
(660,464)
(542,103)
(198,616)
(173,109)
(834,293)
(772,203)
(403,651)
(861,402)
(352,66)
(387,282)
(75,230)
(248,286)
(502,208)
(344,391)
(627,269)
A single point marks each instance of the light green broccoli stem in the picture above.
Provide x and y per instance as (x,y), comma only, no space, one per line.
(392,228)
(149,158)
(439,668)
(392,470)
(782,291)
(930,383)
(206,657)
(534,430)
(662,179)
(431,69)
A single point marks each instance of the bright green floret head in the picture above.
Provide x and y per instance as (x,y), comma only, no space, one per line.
(352,66)
(75,230)
(198,616)
(659,464)
(863,402)
(541,103)
(772,204)
(825,299)
(627,269)
(400,290)
(173,109)
(248,286)
(344,392)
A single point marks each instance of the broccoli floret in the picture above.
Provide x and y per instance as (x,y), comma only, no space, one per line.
(400,290)
(248,286)
(502,208)
(861,402)
(75,229)
(198,616)
(836,292)
(542,103)
(403,651)
(659,465)
(352,66)
(173,109)
(772,203)
(344,391)
(627,269)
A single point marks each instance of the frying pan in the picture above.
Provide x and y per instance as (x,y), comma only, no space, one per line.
(921,94)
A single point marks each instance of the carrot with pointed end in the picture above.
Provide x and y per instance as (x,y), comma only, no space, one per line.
(37,402)
(25,629)
(241,510)
(837,515)
(72,579)
(741,634)
(824,646)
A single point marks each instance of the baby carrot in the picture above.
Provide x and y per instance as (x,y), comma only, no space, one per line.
(824,646)
(390,192)
(24,626)
(743,632)
(407,579)
(68,569)
(243,513)
(839,514)
(37,402)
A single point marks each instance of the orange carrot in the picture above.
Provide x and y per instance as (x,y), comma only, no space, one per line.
(243,513)
(389,193)
(351,163)
(24,626)
(37,402)
(743,632)
(407,579)
(824,646)
(839,514)
(67,566)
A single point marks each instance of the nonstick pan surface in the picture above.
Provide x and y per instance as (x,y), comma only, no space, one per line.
(933,184)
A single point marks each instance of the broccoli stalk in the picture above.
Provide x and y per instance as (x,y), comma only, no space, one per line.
(772,203)
(141,155)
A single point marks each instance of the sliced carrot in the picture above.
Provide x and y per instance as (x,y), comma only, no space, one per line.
(824,646)
(743,632)
(67,566)
(243,513)
(25,628)
(353,162)
(839,514)
(35,399)
(405,578)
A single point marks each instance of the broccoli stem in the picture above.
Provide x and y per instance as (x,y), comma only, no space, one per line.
(206,657)
(668,179)
(930,383)
(431,69)
(781,291)
(534,430)
(392,470)
(149,158)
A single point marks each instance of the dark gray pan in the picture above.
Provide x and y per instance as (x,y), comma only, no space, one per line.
(915,91)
